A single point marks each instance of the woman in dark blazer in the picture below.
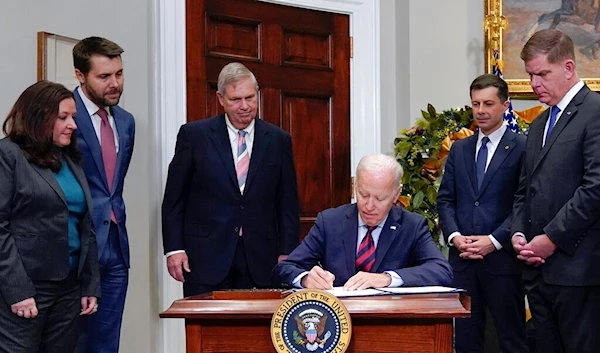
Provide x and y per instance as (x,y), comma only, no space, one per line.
(48,259)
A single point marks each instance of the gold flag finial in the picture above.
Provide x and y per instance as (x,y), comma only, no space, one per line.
(494,22)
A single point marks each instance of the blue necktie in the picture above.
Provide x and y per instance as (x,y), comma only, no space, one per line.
(552,122)
(482,160)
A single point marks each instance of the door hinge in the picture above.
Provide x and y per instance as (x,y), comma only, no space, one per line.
(351,46)
(351,187)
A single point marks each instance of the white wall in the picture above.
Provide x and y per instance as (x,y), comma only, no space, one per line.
(128,23)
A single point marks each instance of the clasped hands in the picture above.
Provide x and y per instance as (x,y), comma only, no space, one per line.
(27,308)
(473,247)
(536,251)
(318,278)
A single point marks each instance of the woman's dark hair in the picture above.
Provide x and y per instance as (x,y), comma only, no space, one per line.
(30,124)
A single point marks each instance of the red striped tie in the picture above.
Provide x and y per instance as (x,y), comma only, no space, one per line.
(365,259)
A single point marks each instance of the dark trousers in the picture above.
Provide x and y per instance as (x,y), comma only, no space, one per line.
(504,297)
(102,330)
(566,319)
(238,277)
(56,327)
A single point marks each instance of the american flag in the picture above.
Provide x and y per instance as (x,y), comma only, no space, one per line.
(509,114)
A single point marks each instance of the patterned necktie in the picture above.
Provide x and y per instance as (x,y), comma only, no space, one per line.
(552,122)
(109,152)
(482,160)
(365,259)
(243,160)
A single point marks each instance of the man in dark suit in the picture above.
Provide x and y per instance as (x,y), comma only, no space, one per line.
(231,200)
(367,244)
(556,223)
(105,137)
(475,204)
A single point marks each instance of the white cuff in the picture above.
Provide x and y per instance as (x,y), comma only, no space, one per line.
(397,281)
(495,242)
(454,234)
(174,252)
(296,282)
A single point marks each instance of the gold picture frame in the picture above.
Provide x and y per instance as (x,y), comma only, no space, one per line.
(525,17)
(55,59)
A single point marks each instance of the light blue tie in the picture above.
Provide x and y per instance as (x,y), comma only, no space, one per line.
(552,122)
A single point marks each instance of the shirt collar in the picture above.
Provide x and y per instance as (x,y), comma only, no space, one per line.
(249,129)
(495,136)
(90,106)
(562,105)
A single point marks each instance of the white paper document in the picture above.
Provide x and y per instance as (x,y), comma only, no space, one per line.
(341,293)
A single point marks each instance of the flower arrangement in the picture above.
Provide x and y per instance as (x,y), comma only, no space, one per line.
(422,150)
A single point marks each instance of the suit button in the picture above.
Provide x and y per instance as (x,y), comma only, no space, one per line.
(476,203)
(529,221)
(532,194)
(241,207)
(236,229)
(105,223)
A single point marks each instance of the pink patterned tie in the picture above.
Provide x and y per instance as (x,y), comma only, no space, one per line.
(242,164)
(109,152)
(243,160)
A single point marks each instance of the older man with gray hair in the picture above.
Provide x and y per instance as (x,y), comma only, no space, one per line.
(227,221)
(371,243)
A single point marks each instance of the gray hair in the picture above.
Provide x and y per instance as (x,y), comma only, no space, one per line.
(377,163)
(232,73)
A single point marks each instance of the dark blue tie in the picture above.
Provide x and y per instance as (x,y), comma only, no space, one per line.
(482,160)
(552,122)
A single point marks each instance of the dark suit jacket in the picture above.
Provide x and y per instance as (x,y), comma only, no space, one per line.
(34,234)
(203,207)
(559,192)
(409,249)
(464,209)
(93,166)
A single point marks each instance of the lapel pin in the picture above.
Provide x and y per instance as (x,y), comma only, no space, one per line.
(506,147)
(393,227)
(568,113)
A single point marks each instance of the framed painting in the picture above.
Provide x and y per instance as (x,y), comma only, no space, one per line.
(579,19)
(55,59)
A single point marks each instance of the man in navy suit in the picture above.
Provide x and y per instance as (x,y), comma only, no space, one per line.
(557,210)
(105,137)
(475,202)
(367,244)
(230,209)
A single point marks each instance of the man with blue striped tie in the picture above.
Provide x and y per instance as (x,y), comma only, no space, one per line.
(230,209)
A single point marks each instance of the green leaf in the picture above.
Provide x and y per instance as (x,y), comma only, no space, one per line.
(432,194)
(418,199)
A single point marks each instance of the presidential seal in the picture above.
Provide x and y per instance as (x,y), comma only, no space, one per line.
(309,321)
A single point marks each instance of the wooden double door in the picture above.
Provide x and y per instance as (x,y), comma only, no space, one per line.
(301,59)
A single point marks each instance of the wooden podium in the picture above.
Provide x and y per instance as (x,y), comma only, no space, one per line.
(232,322)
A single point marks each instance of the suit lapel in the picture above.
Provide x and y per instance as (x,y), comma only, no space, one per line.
(50,178)
(259,148)
(469,159)
(388,234)
(123,137)
(220,138)
(86,129)
(349,237)
(504,148)
(566,116)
